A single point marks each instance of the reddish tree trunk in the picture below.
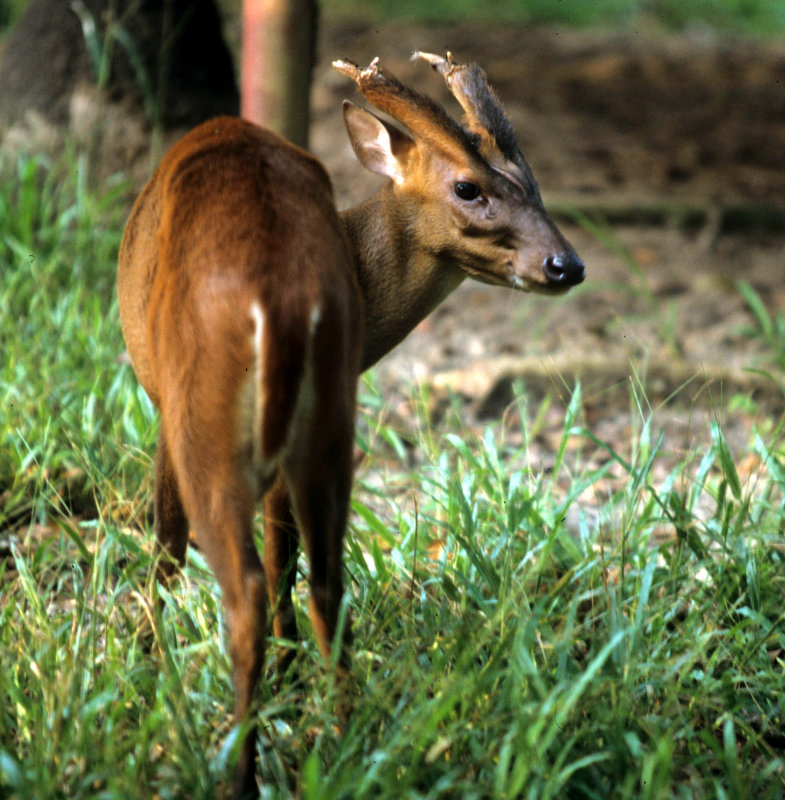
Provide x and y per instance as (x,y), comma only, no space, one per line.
(277,58)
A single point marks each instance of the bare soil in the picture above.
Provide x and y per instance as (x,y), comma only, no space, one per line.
(674,148)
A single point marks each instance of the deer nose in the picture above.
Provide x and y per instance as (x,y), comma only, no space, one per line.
(564,268)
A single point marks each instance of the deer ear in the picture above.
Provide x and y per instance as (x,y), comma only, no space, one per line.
(379,146)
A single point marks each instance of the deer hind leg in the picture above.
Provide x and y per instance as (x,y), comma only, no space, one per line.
(235,562)
(320,487)
(280,566)
(219,500)
(171,524)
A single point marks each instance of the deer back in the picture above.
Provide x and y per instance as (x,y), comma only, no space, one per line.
(236,229)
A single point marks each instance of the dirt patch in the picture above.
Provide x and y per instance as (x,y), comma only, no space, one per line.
(674,148)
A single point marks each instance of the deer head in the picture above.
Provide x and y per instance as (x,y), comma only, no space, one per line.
(466,192)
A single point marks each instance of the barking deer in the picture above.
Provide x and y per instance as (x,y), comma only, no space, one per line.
(250,306)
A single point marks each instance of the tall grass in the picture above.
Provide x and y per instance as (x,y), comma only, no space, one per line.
(583,631)
(64,401)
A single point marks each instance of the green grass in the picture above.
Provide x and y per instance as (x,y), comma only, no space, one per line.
(757,17)
(585,631)
(65,404)
(768,327)
(10,11)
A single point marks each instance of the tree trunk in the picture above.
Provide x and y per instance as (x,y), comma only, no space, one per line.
(165,56)
(279,38)
(120,79)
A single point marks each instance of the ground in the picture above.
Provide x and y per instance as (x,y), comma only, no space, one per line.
(678,143)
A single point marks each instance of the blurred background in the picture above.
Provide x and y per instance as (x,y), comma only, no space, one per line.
(655,128)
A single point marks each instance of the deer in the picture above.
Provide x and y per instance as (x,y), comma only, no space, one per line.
(250,306)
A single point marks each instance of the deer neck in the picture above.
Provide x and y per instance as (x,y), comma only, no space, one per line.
(401,280)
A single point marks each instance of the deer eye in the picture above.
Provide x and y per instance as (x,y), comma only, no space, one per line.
(466,191)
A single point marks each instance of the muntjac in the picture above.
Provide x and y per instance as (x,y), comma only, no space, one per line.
(250,306)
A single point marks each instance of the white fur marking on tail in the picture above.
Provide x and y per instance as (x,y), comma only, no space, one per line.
(316,315)
(257,315)
(251,406)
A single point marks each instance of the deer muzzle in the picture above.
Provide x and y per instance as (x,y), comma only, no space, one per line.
(564,269)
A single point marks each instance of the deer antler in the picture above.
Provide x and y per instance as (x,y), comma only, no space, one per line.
(488,131)
(421,115)
(485,117)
